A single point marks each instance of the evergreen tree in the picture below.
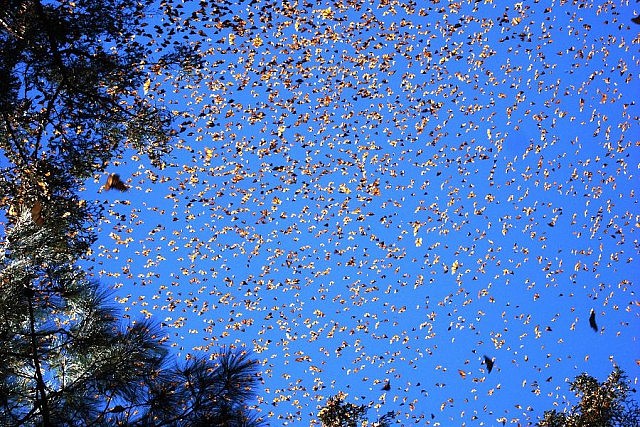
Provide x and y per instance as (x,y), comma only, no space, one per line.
(204,393)
(65,359)
(70,74)
(339,413)
(70,77)
(602,404)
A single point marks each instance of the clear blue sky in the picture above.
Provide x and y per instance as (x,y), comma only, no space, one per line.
(371,193)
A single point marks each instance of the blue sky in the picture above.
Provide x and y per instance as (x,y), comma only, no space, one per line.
(370,193)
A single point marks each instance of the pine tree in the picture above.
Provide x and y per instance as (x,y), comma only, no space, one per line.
(66,360)
(225,384)
(339,413)
(602,404)
(69,79)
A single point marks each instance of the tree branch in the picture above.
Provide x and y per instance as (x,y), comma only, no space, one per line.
(41,391)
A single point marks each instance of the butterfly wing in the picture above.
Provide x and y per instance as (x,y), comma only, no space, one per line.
(36,213)
(114,181)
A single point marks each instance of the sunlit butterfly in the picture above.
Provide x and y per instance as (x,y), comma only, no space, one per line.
(36,213)
(114,182)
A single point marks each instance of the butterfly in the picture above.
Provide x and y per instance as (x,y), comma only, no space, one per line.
(114,182)
(592,321)
(36,213)
(489,362)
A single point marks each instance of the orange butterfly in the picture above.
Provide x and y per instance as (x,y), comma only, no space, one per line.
(36,213)
(114,182)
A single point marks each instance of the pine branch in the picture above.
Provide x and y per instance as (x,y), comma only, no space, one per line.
(41,393)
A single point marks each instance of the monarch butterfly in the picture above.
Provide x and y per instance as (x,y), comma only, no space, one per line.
(114,182)
(36,213)
(592,320)
(489,362)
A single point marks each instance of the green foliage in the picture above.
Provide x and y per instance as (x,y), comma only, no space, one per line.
(68,361)
(70,73)
(226,383)
(605,404)
(62,213)
(62,347)
(338,413)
